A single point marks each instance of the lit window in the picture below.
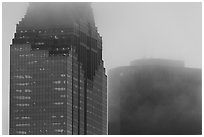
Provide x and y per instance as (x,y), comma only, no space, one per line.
(22,84)
(62,96)
(23,105)
(18,90)
(42,68)
(53,116)
(21,132)
(59,89)
(57,82)
(32,62)
(25,117)
(22,125)
(58,103)
(62,75)
(39,43)
(28,90)
(59,130)
(22,97)
(28,76)
(21,55)
(27,55)
(55,124)
(19,77)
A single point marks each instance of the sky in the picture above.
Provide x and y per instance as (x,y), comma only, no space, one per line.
(149,30)
(130,31)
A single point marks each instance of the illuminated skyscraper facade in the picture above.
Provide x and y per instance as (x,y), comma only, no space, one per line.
(57,77)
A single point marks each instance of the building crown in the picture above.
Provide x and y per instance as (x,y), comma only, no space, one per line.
(57,14)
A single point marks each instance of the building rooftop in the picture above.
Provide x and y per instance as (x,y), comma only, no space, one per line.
(157,62)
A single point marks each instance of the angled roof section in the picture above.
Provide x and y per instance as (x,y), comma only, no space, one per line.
(54,14)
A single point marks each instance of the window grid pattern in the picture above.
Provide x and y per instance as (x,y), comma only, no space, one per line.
(57,78)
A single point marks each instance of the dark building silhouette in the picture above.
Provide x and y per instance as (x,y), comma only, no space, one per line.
(57,77)
(154,96)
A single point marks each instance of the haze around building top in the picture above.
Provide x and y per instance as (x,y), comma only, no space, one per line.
(129,31)
(58,14)
(136,30)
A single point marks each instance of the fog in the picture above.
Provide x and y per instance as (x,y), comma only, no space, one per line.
(52,14)
(143,30)
(136,30)
(155,100)
(129,31)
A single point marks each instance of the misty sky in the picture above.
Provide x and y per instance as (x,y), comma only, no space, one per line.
(136,30)
(129,31)
(144,30)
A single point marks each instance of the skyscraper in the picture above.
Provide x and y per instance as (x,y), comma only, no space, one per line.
(155,97)
(57,76)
